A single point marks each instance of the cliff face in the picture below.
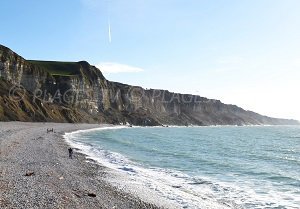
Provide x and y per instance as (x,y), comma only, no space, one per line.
(78,92)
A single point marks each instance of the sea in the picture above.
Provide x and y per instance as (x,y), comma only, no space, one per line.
(202,167)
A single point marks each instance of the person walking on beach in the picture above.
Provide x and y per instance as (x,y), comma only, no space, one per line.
(70,153)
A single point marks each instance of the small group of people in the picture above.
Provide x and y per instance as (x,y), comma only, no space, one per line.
(50,130)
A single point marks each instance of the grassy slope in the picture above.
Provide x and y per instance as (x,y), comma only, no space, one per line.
(59,68)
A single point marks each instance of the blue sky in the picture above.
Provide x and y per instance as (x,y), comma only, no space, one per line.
(244,52)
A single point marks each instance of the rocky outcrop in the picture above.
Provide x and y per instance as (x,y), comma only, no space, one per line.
(78,92)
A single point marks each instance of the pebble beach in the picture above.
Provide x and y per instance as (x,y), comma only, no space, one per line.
(36,171)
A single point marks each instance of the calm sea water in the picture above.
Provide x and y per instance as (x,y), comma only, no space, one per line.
(238,167)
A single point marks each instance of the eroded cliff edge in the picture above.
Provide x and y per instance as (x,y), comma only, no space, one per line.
(78,92)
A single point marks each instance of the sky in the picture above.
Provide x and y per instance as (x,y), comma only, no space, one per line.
(243,52)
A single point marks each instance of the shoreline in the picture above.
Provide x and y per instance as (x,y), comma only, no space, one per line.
(118,175)
(36,171)
(151,185)
(136,179)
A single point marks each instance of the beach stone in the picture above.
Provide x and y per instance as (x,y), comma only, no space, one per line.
(91,195)
(31,173)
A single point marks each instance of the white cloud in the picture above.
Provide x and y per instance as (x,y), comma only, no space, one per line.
(110,67)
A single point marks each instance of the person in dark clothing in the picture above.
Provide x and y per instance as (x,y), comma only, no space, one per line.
(70,153)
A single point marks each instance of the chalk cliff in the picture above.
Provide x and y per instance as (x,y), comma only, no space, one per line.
(78,92)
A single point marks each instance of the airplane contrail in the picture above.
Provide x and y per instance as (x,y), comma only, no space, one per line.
(109,32)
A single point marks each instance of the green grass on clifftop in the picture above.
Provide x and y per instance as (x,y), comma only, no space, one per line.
(58,68)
